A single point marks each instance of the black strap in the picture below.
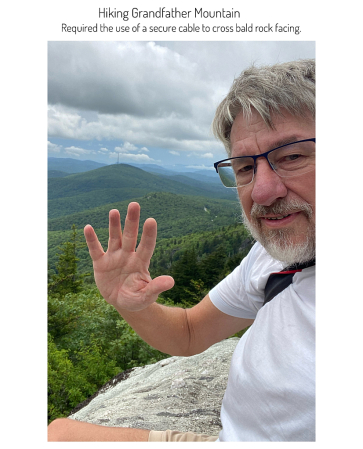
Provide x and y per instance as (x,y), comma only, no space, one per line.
(277,282)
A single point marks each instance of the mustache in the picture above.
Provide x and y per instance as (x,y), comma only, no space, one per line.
(282,207)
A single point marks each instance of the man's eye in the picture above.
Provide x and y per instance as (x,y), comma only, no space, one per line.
(292,157)
(244,168)
(288,159)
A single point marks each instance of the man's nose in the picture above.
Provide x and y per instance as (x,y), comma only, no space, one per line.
(267,185)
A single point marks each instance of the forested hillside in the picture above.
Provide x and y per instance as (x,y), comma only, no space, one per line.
(200,240)
(167,208)
(120,182)
(88,341)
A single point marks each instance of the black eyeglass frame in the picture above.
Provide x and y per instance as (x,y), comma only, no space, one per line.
(255,157)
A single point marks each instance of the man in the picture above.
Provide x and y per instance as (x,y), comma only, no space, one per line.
(267,125)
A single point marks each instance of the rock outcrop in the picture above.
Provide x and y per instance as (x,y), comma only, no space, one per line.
(178,393)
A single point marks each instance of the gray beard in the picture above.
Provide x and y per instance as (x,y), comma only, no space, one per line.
(279,242)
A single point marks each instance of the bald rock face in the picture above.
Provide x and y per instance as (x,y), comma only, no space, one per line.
(177,393)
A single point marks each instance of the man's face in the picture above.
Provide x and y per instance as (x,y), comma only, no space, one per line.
(279,212)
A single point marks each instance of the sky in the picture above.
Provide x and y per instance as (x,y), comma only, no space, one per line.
(147,102)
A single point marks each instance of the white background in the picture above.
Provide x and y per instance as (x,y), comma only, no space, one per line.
(26,28)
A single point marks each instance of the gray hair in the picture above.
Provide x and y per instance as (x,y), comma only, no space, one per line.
(268,89)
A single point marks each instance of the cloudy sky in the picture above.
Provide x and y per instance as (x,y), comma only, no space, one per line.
(147,102)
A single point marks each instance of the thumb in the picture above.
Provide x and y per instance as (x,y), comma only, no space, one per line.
(160,284)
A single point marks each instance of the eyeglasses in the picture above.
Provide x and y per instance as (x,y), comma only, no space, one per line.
(292,159)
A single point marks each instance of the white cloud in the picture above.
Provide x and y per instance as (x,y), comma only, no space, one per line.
(64,122)
(174,133)
(131,157)
(143,93)
(207,155)
(135,78)
(125,148)
(76,151)
(150,94)
(54,148)
(199,155)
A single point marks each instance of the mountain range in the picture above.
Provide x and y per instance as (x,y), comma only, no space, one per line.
(72,193)
(70,165)
(182,203)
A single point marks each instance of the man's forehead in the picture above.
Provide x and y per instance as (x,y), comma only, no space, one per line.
(288,128)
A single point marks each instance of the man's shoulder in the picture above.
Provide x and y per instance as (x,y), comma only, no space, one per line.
(258,259)
(255,269)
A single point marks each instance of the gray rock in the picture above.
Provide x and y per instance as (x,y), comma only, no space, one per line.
(178,393)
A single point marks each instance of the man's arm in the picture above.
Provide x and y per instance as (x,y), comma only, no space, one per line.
(184,332)
(66,429)
(124,281)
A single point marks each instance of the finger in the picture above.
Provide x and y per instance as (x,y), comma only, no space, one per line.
(159,285)
(147,243)
(131,228)
(94,246)
(114,230)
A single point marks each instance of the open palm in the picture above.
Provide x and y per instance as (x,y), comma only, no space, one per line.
(122,272)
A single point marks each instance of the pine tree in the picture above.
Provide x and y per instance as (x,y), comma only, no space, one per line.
(184,271)
(66,279)
(212,266)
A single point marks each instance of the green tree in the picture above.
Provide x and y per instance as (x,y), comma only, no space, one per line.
(211,267)
(89,343)
(71,382)
(66,278)
(184,271)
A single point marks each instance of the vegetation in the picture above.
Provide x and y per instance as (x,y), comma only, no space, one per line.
(199,243)
(65,277)
(175,214)
(114,183)
(89,342)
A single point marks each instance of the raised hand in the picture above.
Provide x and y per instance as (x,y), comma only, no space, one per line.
(122,273)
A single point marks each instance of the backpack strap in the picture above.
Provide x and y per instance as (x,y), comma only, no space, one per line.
(277,282)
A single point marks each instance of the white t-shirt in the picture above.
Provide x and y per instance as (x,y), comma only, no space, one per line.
(270,394)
